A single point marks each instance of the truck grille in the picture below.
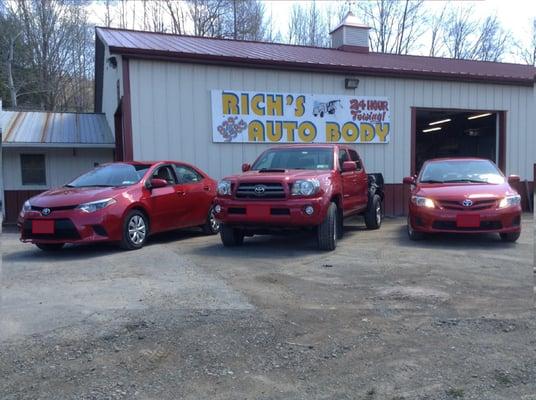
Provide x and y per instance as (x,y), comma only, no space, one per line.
(476,206)
(260,191)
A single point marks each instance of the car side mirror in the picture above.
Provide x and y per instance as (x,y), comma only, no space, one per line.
(513,179)
(349,166)
(246,167)
(409,180)
(156,183)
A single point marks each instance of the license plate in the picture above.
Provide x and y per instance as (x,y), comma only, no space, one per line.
(468,221)
(42,227)
(257,211)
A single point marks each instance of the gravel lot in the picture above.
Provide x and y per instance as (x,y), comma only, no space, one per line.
(184,318)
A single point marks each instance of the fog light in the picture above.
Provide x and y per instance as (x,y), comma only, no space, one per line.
(217,209)
(309,210)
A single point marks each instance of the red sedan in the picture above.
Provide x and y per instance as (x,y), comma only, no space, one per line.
(463,195)
(120,202)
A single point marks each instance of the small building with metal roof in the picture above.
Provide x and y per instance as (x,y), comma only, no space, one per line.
(41,150)
(218,103)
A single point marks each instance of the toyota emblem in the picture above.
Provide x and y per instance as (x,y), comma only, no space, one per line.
(259,189)
(467,203)
(45,211)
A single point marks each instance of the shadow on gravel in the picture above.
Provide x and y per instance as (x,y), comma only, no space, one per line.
(86,251)
(454,241)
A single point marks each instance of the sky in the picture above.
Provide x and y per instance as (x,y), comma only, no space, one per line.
(515,15)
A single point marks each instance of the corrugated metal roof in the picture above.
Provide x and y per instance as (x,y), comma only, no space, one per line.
(46,128)
(191,48)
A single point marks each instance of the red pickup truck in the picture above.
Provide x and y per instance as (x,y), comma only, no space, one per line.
(299,187)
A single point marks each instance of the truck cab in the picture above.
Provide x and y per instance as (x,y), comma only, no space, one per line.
(291,187)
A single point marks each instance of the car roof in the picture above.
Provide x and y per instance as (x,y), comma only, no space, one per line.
(457,159)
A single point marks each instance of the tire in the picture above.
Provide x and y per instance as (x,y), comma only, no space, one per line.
(374,213)
(510,237)
(327,230)
(230,236)
(211,225)
(340,224)
(413,234)
(50,246)
(135,230)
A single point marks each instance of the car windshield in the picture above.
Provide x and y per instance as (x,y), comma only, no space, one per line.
(111,175)
(297,158)
(462,171)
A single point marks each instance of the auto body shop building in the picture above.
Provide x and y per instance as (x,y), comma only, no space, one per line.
(42,150)
(218,103)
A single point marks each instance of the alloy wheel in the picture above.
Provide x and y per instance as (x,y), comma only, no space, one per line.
(137,229)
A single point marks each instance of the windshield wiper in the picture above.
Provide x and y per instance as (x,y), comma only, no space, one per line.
(466,180)
(69,186)
(271,170)
(431,181)
(96,186)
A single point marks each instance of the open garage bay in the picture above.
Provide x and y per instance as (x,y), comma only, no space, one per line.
(379,318)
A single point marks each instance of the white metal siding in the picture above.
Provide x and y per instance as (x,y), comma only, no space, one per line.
(355,36)
(171,115)
(61,165)
(109,88)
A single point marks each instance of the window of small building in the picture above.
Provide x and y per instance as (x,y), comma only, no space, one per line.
(33,170)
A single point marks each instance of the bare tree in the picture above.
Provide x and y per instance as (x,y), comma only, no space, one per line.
(463,36)
(491,42)
(395,26)
(177,15)
(528,53)
(308,26)
(458,28)
(435,23)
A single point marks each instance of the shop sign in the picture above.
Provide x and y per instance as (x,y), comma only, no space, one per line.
(262,117)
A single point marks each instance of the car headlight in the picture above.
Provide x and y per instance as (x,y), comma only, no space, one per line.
(224,188)
(96,205)
(26,207)
(306,187)
(510,201)
(420,201)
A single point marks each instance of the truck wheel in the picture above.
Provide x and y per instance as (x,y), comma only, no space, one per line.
(412,233)
(50,246)
(211,225)
(509,237)
(327,230)
(135,230)
(231,236)
(340,224)
(374,213)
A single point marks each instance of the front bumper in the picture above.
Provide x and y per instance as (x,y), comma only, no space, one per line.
(493,220)
(281,213)
(72,226)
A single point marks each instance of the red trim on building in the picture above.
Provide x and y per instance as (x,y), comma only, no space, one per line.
(413,150)
(128,153)
(501,162)
(14,199)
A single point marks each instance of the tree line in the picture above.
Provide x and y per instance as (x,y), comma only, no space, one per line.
(47,46)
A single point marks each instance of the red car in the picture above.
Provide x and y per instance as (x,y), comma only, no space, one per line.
(293,187)
(463,195)
(120,202)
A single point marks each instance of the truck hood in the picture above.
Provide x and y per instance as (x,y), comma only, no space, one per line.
(464,191)
(284,175)
(65,196)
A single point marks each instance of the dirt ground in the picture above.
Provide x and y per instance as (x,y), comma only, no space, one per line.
(184,318)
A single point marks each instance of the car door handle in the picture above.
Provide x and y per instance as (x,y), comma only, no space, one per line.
(206,188)
(180,193)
